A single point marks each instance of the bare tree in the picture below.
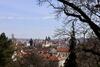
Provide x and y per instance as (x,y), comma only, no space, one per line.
(71,61)
(87,11)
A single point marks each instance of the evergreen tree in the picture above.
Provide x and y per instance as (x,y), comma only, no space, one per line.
(6,50)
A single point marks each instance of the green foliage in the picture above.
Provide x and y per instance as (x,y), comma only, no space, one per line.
(6,50)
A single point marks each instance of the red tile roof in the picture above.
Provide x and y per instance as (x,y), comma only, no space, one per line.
(61,49)
(53,58)
(49,57)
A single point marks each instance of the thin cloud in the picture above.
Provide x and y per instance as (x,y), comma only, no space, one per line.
(26,18)
(48,17)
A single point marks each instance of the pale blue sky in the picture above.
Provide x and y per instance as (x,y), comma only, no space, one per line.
(25,19)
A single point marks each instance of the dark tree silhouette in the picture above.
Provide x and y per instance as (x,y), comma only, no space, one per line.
(6,50)
(83,17)
(71,61)
(86,11)
(80,9)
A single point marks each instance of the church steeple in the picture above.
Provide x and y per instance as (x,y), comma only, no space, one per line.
(13,38)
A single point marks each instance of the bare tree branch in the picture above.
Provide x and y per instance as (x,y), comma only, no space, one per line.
(54,6)
(75,8)
(78,16)
(94,27)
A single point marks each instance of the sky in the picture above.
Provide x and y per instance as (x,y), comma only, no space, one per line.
(26,19)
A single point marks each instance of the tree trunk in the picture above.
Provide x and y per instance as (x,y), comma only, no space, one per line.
(95,28)
(71,60)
